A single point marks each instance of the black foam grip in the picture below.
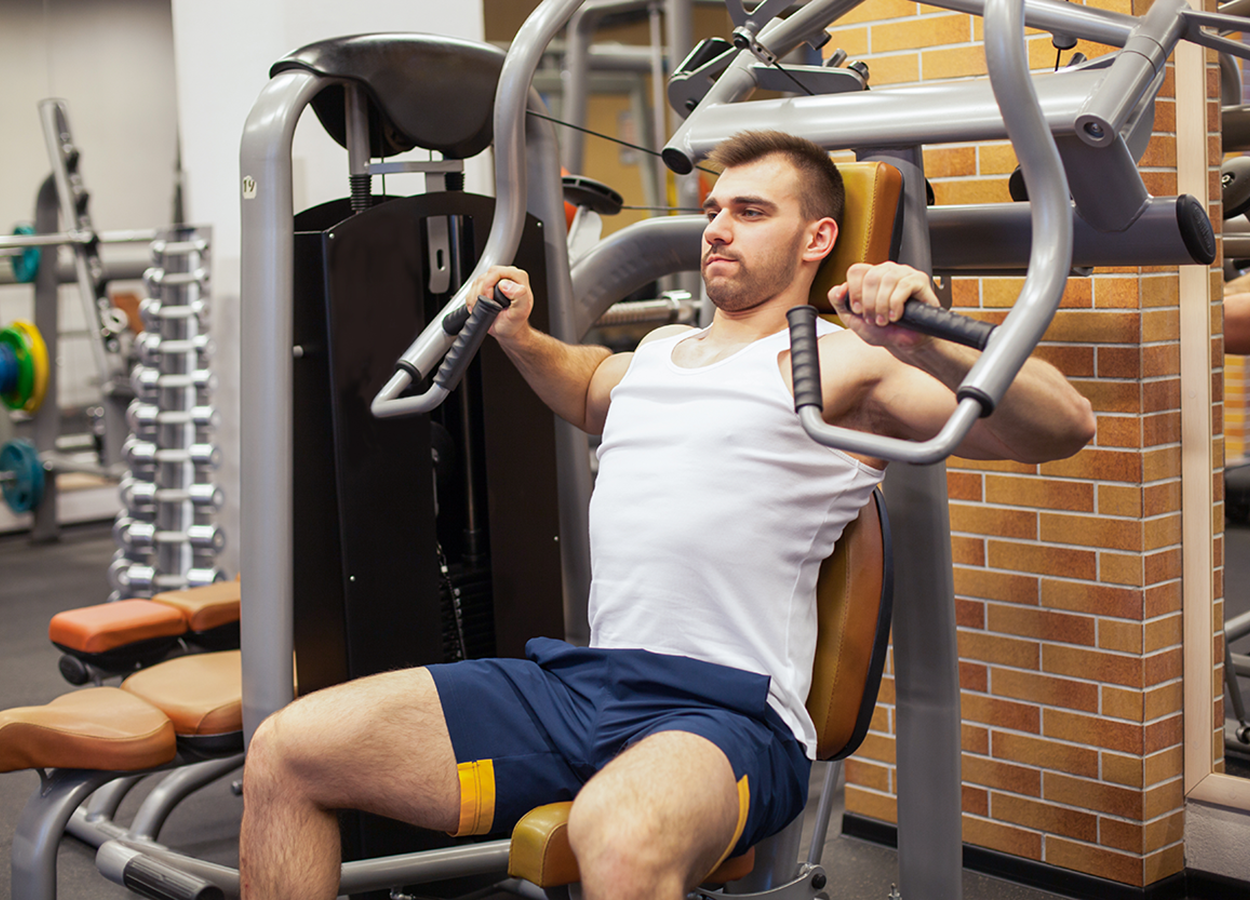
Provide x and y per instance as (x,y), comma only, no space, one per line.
(941,323)
(470,339)
(454,321)
(153,878)
(804,357)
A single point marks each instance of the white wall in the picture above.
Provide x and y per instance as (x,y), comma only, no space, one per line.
(112,62)
(223,51)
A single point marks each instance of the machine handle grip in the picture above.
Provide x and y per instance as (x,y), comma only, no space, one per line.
(153,878)
(453,322)
(942,323)
(470,338)
(804,357)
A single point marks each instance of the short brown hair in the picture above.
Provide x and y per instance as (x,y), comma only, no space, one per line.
(824,196)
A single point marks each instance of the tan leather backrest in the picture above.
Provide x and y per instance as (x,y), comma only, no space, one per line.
(853,601)
(873,194)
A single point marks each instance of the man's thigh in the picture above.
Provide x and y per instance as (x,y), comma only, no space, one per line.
(377,744)
(670,799)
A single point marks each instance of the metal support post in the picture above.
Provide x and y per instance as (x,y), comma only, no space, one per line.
(926,661)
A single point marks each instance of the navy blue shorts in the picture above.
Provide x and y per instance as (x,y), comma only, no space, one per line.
(532,731)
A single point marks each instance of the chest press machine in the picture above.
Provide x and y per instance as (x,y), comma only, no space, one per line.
(1119,224)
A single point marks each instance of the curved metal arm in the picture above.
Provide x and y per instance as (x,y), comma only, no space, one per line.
(1049,260)
(511,100)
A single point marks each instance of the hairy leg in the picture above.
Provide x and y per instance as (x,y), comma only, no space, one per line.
(377,744)
(655,820)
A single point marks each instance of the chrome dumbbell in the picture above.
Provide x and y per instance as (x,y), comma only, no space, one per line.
(199,577)
(207,496)
(142,419)
(131,578)
(140,457)
(145,381)
(138,496)
(206,538)
(135,535)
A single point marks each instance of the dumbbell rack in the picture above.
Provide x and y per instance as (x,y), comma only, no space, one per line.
(166,536)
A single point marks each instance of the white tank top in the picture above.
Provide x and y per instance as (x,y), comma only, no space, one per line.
(711,514)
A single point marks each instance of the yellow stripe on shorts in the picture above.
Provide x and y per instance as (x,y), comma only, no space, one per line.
(744,807)
(477,797)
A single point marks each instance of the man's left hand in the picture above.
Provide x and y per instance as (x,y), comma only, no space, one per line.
(871,303)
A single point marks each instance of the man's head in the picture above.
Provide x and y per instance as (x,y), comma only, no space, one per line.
(772,218)
(822,191)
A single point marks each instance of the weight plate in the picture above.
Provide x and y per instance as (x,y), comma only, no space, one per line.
(24,491)
(25,264)
(8,369)
(18,397)
(39,360)
(1235,186)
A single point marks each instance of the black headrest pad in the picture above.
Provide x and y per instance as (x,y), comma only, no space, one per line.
(424,90)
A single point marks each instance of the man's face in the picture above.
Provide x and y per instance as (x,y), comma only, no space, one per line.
(754,236)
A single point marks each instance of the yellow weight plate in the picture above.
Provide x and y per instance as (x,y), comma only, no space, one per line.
(39,356)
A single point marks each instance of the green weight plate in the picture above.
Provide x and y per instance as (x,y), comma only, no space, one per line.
(25,369)
(25,264)
(24,491)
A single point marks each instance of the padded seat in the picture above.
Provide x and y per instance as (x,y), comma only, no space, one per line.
(205,608)
(108,626)
(196,700)
(119,637)
(202,693)
(540,851)
(97,728)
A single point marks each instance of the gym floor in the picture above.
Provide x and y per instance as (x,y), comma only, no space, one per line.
(42,580)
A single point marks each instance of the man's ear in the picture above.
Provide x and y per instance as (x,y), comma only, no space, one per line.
(823,237)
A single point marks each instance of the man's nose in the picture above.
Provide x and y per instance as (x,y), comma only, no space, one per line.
(717,229)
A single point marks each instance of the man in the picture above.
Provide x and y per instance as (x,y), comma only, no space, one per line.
(681,730)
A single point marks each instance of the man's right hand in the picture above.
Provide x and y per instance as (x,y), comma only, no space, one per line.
(515,284)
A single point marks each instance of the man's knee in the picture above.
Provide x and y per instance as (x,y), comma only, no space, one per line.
(285,749)
(618,844)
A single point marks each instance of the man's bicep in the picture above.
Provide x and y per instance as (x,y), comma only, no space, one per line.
(599,394)
(918,406)
(905,402)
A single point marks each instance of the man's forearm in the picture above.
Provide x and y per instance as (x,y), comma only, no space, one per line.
(559,373)
(1040,417)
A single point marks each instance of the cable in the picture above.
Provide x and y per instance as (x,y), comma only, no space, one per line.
(802,86)
(607,137)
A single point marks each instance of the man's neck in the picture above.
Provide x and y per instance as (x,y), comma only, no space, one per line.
(745,326)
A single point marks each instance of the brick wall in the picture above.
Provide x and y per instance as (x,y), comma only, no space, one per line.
(1068,574)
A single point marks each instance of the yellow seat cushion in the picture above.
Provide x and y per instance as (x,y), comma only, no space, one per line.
(540,851)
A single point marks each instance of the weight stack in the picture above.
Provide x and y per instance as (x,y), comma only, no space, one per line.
(166,536)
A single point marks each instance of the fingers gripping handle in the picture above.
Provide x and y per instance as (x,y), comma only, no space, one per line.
(804,357)
(469,339)
(941,323)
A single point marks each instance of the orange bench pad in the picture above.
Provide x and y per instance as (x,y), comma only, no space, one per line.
(205,607)
(202,693)
(97,728)
(107,626)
